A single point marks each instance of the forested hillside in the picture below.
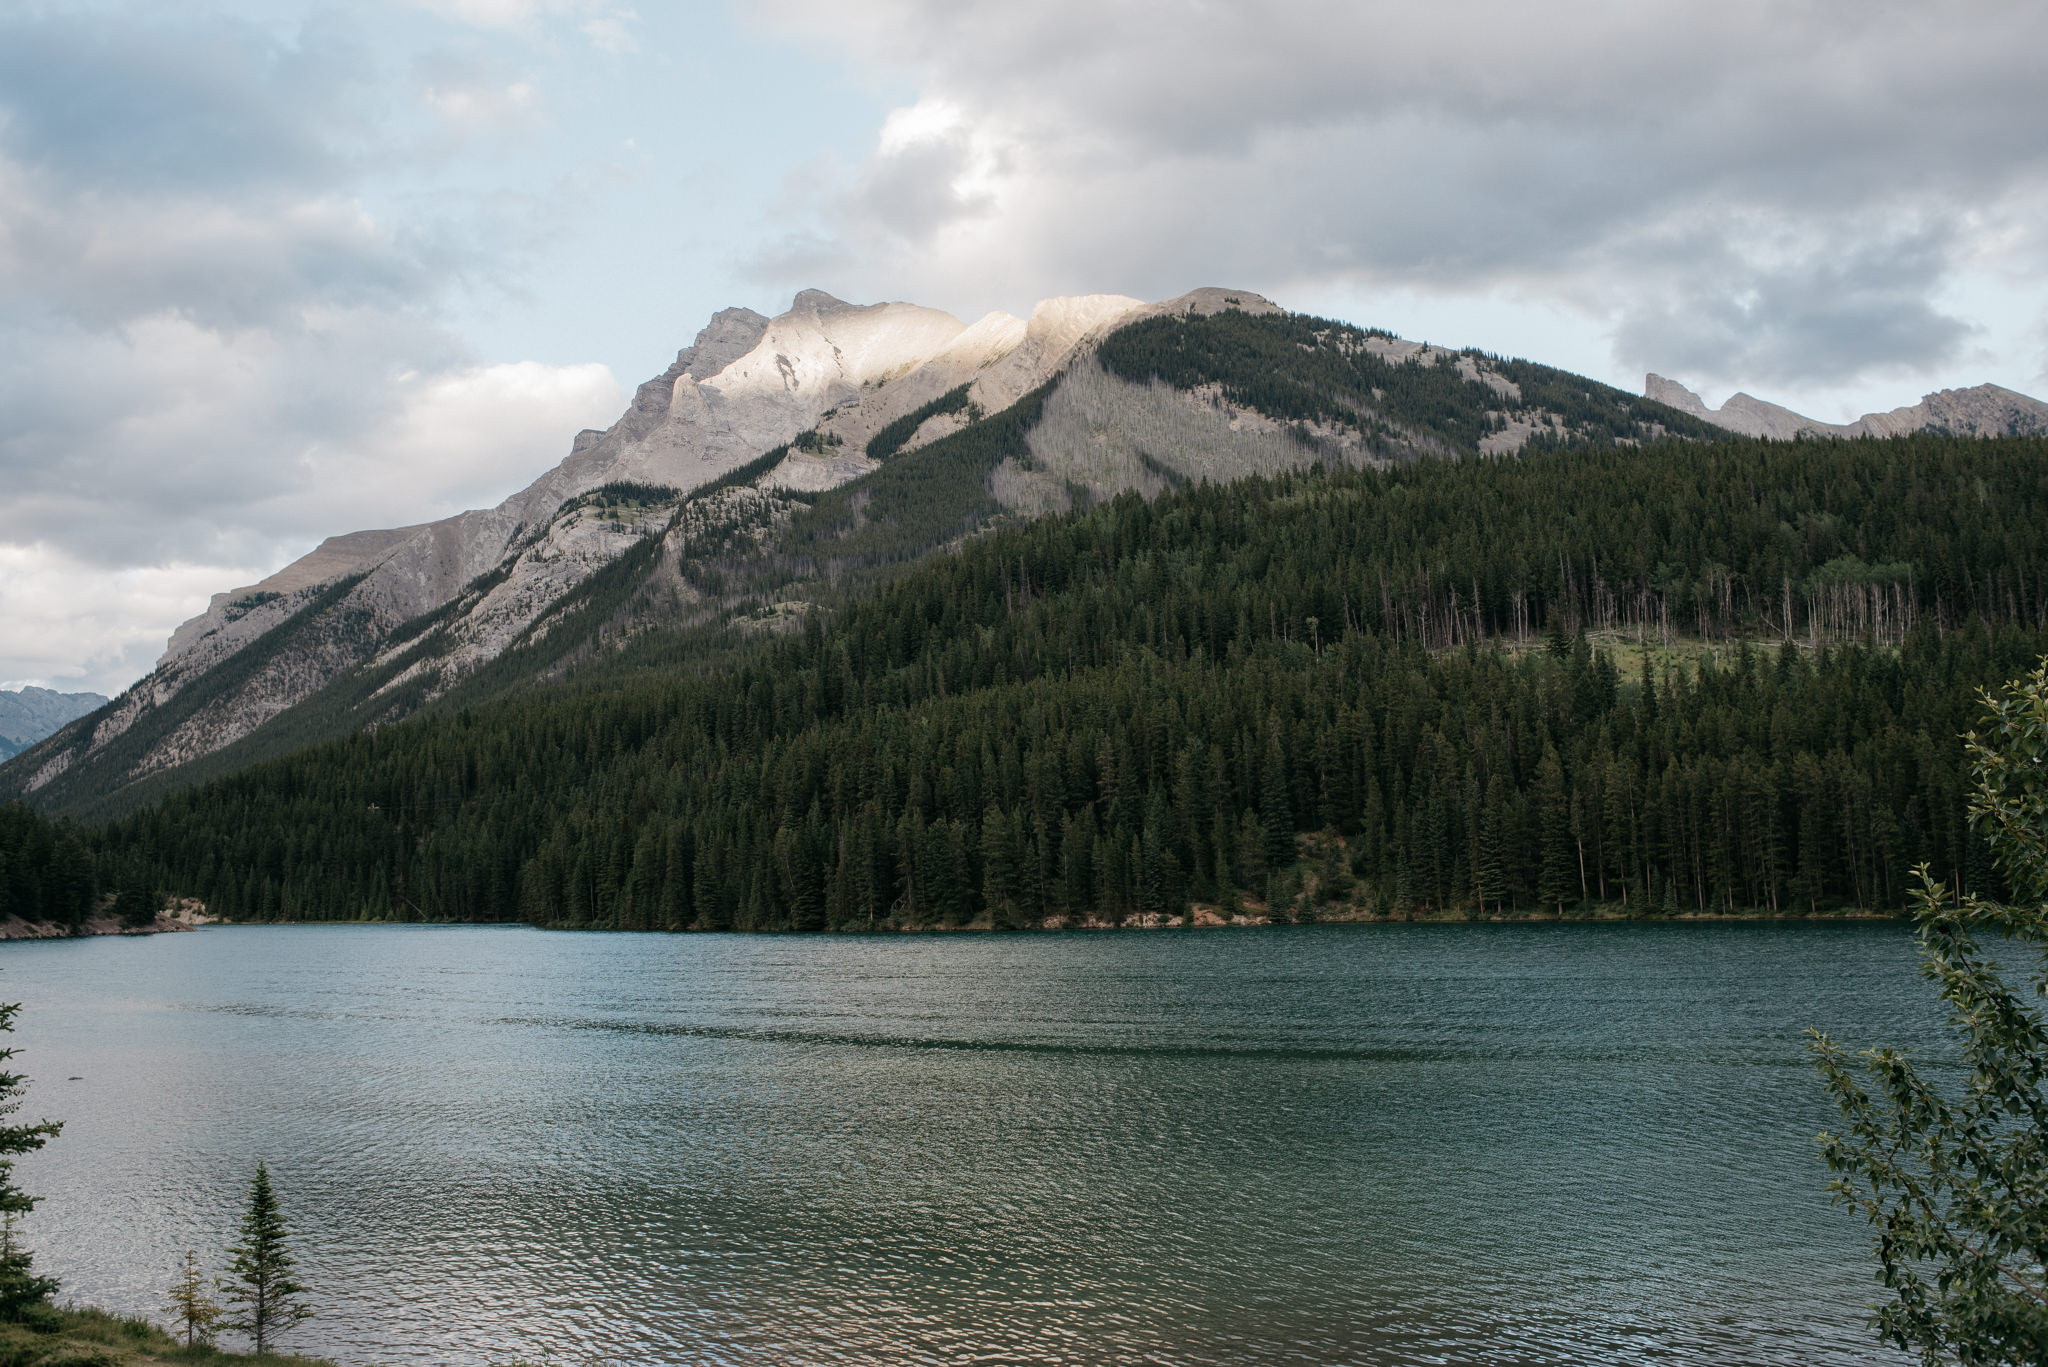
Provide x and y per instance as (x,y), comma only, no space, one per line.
(1406,399)
(1334,692)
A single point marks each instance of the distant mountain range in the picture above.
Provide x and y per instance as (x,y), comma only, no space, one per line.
(845,439)
(29,714)
(1984,411)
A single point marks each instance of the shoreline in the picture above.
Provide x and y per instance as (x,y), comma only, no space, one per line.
(184,914)
(1205,920)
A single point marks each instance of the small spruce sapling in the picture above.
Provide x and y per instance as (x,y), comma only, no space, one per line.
(195,1316)
(265,1299)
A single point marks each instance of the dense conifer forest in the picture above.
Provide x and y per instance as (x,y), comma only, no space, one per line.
(47,872)
(1679,678)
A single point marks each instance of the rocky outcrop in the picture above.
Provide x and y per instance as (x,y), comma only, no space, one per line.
(1099,436)
(182,913)
(1987,410)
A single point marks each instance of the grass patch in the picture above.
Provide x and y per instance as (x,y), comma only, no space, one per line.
(81,1336)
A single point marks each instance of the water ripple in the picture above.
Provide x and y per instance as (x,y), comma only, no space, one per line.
(1455,1145)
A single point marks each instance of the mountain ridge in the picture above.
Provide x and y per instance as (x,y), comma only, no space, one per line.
(29,713)
(1985,410)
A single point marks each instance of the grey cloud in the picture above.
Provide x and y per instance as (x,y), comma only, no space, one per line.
(225,262)
(212,353)
(190,294)
(165,441)
(912,192)
(1911,89)
(1836,313)
(198,167)
(1544,149)
(195,309)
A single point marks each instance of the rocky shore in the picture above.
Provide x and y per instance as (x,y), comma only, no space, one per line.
(182,914)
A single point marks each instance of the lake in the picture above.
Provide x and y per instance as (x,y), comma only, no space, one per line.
(1382,1144)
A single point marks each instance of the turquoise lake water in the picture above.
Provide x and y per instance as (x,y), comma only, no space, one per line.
(1387,1144)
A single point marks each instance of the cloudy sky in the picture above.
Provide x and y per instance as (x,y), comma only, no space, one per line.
(270,271)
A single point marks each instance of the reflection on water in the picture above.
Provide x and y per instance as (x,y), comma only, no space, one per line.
(1395,1144)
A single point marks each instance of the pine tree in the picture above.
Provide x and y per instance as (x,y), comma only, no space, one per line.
(1276,813)
(999,870)
(1555,876)
(262,1290)
(20,1288)
(1220,840)
(1153,894)
(1492,873)
(194,1314)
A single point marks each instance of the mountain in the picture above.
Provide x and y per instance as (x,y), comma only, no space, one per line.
(1121,613)
(29,714)
(1983,411)
(1726,678)
(773,466)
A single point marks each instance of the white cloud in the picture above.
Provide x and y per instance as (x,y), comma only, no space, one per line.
(461,438)
(612,33)
(474,104)
(75,626)
(164,506)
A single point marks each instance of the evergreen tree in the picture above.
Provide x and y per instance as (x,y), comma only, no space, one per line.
(1491,876)
(134,901)
(194,1314)
(999,870)
(20,1288)
(1555,879)
(1221,838)
(1251,852)
(265,1298)
(1276,812)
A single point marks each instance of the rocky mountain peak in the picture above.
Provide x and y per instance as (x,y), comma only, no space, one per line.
(730,334)
(818,301)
